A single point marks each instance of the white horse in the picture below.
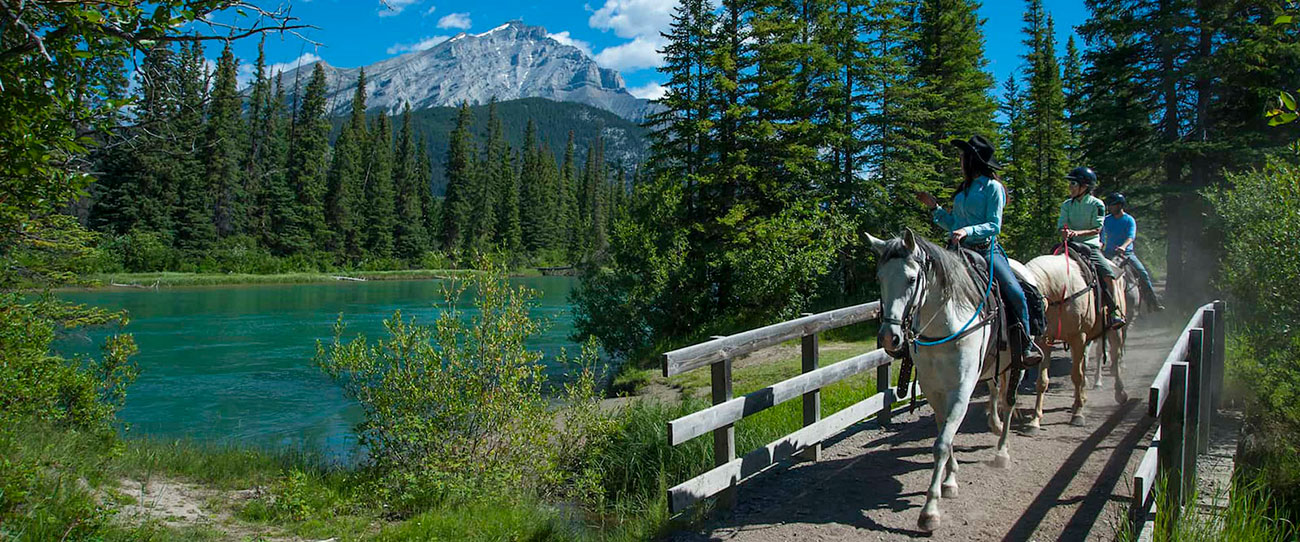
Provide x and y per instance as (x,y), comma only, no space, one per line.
(927,293)
(1072,317)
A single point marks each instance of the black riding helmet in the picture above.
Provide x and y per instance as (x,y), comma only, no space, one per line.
(1083,176)
(1116,198)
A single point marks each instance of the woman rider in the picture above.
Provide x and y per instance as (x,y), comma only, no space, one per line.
(976,221)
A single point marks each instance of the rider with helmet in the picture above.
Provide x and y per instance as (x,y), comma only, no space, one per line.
(975,222)
(1118,235)
(1081,221)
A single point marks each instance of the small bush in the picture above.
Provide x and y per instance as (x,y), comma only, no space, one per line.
(435,260)
(458,409)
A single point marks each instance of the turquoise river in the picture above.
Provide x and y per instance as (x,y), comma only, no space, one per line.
(233,364)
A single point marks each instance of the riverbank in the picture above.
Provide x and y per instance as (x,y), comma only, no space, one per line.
(169,279)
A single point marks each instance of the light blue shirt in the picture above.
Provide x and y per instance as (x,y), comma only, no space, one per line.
(977,210)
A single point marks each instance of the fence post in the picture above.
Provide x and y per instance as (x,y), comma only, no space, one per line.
(1192,422)
(883,386)
(1220,352)
(1206,382)
(724,438)
(812,401)
(1171,451)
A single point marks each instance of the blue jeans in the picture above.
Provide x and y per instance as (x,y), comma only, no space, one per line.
(1133,260)
(1009,287)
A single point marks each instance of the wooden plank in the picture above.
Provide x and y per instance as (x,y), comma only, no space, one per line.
(1192,412)
(812,400)
(1220,353)
(733,346)
(1204,403)
(683,495)
(1144,477)
(1159,391)
(729,412)
(724,437)
(1170,454)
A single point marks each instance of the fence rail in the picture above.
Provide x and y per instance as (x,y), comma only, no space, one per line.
(1183,397)
(720,419)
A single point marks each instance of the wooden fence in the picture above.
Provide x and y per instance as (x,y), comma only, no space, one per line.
(1183,397)
(721,418)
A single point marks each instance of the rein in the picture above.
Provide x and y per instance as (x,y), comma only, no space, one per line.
(912,335)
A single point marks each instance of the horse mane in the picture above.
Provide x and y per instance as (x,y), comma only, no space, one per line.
(949,267)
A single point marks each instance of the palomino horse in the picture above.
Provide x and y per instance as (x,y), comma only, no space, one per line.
(927,292)
(1072,317)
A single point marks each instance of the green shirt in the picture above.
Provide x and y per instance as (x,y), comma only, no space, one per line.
(1085,213)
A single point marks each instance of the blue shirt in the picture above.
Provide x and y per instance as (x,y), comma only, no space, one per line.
(977,210)
(1114,231)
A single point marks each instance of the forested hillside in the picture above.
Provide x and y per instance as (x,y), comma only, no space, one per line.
(207,180)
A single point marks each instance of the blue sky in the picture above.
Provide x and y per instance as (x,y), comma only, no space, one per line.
(620,34)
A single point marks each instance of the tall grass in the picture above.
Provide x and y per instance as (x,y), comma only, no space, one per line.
(1250,516)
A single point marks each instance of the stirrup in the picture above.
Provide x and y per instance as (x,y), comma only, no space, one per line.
(1115,321)
(1032,355)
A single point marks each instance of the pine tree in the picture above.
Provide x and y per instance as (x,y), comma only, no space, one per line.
(224,151)
(1044,162)
(510,224)
(1021,202)
(431,207)
(283,233)
(192,215)
(256,164)
(679,135)
(571,211)
(459,199)
(536,196)
(346,190)
(953,91)
(379,197)
(410,239)
(1072,85)
(309,160)
(489,203)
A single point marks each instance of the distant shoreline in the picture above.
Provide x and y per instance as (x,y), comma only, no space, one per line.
(128,281)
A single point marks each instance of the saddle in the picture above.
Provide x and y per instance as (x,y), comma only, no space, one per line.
(979,270)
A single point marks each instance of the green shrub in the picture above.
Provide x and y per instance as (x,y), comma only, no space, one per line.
(457,409)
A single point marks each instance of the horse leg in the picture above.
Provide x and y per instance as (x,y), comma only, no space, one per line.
(1041,389)
(1077,374)
(1002,459)
(995,400)
(1116,362)
(1099,359)
(949,489)
(930,515)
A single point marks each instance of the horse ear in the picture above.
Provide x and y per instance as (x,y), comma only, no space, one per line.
(877,245)
(909,240)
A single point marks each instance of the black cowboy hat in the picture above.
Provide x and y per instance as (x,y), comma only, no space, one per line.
(980,149)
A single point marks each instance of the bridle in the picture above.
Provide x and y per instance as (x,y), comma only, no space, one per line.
(912,337)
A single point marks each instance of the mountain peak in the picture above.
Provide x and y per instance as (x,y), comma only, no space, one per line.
(513,60)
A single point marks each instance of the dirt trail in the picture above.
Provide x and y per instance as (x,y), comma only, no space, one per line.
(1065,482)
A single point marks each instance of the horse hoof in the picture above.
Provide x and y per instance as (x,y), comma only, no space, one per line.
(949,491)
(1001,460)
(1097,386)
(1032,428)
(1121,397)
(928,522)
(1077,420)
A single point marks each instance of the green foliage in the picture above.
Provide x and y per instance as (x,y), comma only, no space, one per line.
(457,409)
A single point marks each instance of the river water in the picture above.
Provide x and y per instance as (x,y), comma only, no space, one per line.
(233,364)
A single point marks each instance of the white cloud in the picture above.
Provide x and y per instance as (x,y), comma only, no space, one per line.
(565,38)
(281,67)
(430,11)
(455,20)
(389,8)
(641,52)
(634,18)
(649,91)
(421,45)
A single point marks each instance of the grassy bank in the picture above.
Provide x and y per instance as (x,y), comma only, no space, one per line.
(168,279)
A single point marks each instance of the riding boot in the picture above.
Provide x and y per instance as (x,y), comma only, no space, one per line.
(1114,319)
(1023,344)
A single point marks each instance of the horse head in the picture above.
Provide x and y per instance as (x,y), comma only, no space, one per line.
(900,271)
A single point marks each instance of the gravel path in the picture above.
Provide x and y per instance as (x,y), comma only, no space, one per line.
(1065,482)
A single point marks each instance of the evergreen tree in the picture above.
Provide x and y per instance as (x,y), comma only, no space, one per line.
(346,181)
(536,196)
(953,91)
(1043,163)
(459,199)
(192,215)
(410,238)
(309,160)
(571,198)
(379,197)
(1072,84)
(679,136)
(510,224)
(224,151)
(1016,215)
(431,207)
(284,231)
(256,163)
(489,203)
